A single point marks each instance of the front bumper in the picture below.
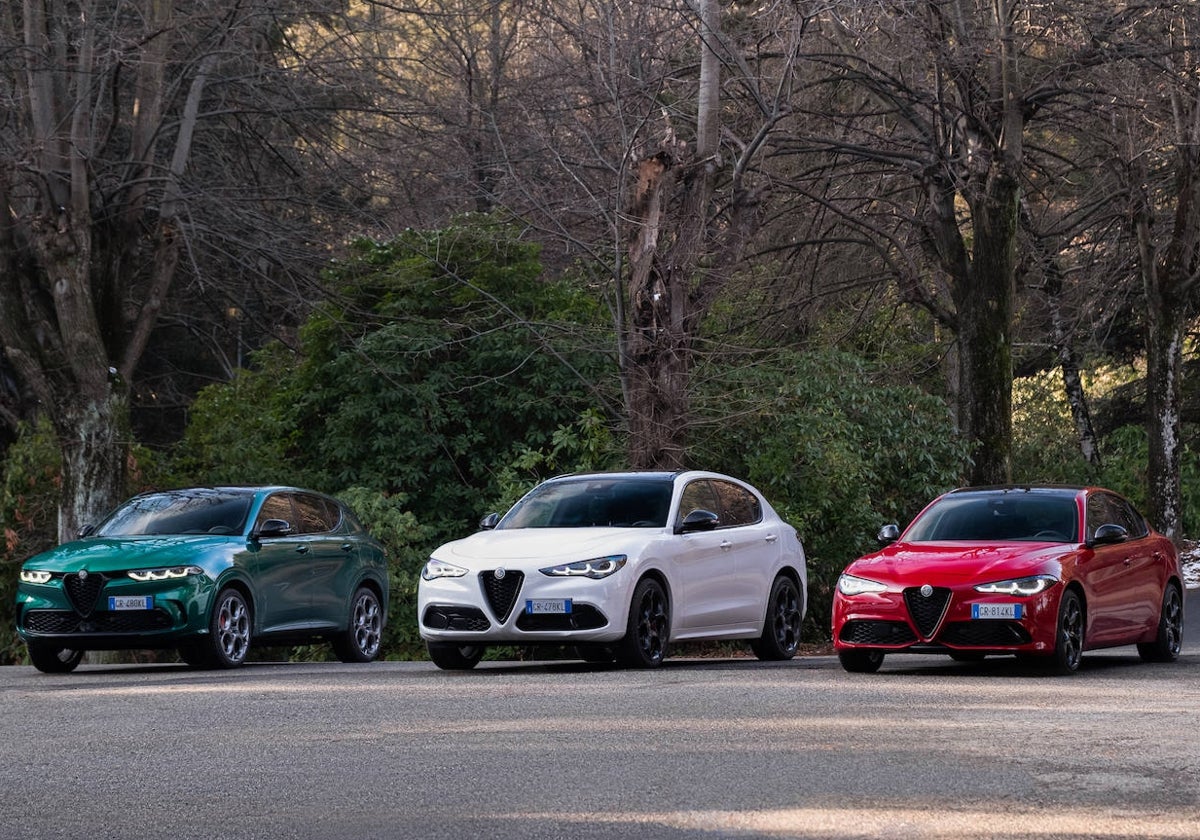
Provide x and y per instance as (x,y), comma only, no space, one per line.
(904,621)
(481,608)
(48,613)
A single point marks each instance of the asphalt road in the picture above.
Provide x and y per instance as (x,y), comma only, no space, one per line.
(927,748)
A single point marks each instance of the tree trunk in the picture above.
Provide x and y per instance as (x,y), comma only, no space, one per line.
(667,298)
(92,437)
(657,347)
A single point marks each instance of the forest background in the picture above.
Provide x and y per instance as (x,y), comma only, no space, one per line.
(422,254)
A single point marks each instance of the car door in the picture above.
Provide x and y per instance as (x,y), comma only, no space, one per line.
(1143,563)
(703,565)
(281,568)
(331,559)
(1112,574)
(754,548)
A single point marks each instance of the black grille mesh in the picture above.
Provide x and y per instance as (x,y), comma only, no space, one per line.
(501,593)
(456,618)
(867,632)
(60,622)
(984,633)
(83,591)
(581,617)
(927,612)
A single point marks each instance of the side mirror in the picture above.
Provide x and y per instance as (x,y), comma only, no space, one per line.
(1109,534)
(698,520)
(888,534)
(85,531)
(489,522)
(273,528)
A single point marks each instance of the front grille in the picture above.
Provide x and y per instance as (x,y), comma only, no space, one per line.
(581,617)
(455,618)
(83,590)
(876,633)
(927,612)
(64,622)
(501,592)
(984,634)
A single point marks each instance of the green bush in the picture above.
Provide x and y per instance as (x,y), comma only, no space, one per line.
(28,519)
(835,452)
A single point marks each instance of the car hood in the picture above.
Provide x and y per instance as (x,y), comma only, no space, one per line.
(113,554)
(910,564)
(542,544)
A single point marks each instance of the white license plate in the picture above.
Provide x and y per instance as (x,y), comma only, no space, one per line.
(131,602)
(542,606)
(997,611)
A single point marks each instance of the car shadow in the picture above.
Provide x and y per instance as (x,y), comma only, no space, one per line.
(1110,661)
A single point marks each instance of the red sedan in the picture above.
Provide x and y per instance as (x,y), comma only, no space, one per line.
(1045,572)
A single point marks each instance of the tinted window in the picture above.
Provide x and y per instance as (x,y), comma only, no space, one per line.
(738,505)
(1105,509)
(998,518)
(278,506)
(190,512)
(312,515)
(698,495)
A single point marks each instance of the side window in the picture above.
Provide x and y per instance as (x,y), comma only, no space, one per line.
(278,506)
(333,514)
(738,505)
(1097,513)
(698,495)
(1124,515)
(312,515)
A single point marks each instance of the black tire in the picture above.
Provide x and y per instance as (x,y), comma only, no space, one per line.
(1068,635)
(52,659)
(648,628)
(861,661)
(452,657)
(361,639)
(1169,641)
(596,654)
(229,631)
(780,637)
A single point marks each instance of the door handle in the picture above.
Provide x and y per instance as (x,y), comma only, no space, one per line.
(347,547)
(770,538)
(302,549)
(726,545)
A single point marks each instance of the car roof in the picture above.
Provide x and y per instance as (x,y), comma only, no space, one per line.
(660,475)
(1034,489)
(234,490)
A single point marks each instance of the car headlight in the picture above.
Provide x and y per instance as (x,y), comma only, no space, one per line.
(851,585)
(169,573)
(35,576)
(1018,586)
(435,569)
(596,568)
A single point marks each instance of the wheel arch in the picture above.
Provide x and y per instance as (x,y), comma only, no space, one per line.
(798,579)
(659,577)
(1077,587)
(376,586)
(244,588)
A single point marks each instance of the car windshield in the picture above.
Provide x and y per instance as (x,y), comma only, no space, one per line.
(594,502)
(998,518)
(181,512)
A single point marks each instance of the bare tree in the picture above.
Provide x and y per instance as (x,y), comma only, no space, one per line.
(136,149)
(1158,160)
